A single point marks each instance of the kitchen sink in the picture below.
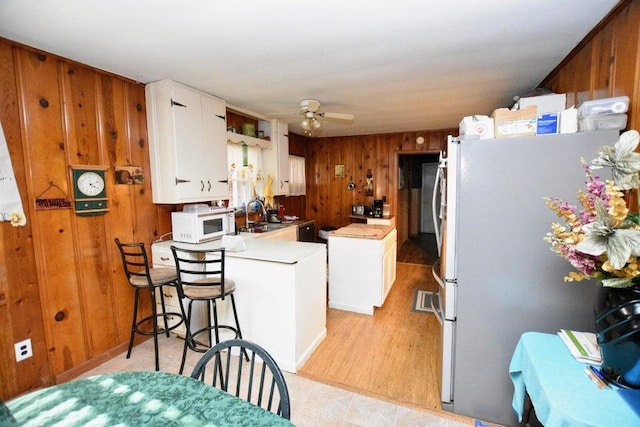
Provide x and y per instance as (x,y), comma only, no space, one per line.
(264,227)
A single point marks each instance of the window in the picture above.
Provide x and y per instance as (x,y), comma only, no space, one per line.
(246,178)
(297,180)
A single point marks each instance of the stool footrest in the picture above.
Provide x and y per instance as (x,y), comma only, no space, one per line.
(159,316)
(192,339)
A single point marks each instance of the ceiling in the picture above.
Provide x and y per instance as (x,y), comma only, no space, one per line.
(398,66)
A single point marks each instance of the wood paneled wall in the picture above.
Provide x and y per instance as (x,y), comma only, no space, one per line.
(605,64)
(61,282)
(329,201)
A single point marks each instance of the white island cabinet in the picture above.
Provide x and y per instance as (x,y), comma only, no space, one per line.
(280,294)
(362,266)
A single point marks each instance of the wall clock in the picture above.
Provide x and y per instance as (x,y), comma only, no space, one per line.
(89,190)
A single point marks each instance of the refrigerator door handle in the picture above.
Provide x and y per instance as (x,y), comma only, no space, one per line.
(439,189)
(448,355)
(436,221)
(436,305)
(436,276)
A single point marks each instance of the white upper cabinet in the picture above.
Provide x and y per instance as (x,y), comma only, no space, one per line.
(276,158)
(187,144)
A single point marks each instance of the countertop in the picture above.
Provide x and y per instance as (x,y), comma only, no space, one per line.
(282,251)
(299,222)
(363,231)
(366,217)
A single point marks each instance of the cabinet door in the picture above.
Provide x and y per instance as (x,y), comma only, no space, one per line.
(189,151)
(282,138)
(187,144)
(215,145)
(276,158)
(389,271)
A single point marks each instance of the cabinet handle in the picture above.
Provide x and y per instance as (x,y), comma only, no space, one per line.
(164,258)
(222,117)
(181,181)
(224,181)
(209,182)
(177,104)
(202,187)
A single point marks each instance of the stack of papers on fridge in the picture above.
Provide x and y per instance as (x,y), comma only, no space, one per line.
(582,345)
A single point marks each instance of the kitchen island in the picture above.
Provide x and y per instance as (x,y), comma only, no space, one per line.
(280,293)
(362,266)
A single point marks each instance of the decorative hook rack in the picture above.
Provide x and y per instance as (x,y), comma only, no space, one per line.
(54,202)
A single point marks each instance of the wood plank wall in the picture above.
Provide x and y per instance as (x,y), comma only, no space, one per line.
(328,200)
(67,266)
(61,279)
(605,64)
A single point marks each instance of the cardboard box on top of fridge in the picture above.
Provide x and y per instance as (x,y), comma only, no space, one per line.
(548,124)
(569,120)
(515,122)
(551,103)
(477,125)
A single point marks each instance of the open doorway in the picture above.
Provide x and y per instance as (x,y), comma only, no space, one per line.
(416,232)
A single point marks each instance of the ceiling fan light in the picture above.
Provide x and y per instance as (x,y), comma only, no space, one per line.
(316,124)
(306,125)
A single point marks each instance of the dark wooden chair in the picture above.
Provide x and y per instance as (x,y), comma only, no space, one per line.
(201,277)
(136,266)
(257,379)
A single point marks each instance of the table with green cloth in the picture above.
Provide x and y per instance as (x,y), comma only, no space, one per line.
(543,370)
(145,398)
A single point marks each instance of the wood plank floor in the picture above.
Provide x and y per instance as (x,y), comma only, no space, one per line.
(394,354)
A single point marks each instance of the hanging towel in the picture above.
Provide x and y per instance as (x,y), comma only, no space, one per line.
(10,203)
(268,192)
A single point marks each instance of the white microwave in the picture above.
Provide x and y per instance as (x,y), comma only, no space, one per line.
(200,227)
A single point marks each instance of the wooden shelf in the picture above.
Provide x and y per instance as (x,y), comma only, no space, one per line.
(238,138)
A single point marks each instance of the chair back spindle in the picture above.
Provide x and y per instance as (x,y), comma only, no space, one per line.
(257,380)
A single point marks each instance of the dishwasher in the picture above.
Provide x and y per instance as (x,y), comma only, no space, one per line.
(307,231)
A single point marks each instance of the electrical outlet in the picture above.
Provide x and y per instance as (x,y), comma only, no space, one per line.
(23,350)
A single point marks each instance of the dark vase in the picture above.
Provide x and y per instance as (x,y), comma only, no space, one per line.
(617,313)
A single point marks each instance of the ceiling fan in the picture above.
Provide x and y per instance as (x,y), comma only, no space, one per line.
(309,109)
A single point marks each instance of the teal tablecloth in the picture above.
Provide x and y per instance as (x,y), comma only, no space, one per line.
(561,392)
(138,399)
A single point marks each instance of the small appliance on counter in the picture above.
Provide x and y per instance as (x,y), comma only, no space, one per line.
(378,208)
(199,223)
(360,210)
(273,216)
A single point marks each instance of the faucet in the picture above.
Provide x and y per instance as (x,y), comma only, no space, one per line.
(263,217)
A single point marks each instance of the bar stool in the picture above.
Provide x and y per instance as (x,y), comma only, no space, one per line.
(136,266)
(201,277)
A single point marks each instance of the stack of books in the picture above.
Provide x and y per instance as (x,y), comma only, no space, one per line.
(582,345)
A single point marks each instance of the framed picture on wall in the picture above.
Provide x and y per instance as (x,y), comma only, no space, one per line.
(129,175)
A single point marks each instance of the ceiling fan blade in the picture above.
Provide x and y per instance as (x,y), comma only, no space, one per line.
(338,116)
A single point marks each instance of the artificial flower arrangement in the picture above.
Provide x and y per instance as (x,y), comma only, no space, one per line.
(601,239)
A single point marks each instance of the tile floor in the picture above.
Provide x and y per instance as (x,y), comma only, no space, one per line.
(312,403)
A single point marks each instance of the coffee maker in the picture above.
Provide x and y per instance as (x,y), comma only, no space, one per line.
(377,209)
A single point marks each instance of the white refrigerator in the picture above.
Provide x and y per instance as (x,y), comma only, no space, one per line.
(498,278)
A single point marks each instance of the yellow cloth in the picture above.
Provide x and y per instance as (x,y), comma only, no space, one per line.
(268,192)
